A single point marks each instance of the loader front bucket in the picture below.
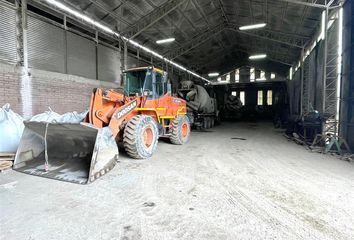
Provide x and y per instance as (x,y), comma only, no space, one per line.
(78,153)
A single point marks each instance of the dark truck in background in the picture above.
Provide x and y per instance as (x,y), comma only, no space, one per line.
(202,108)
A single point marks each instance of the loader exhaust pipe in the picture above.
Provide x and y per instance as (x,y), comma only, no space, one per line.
(78,153)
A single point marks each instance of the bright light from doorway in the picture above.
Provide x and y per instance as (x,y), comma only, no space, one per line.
(167,40)
(262,77)
(243,98)
(260,98)
(269,97)
(253,26)
(258,56)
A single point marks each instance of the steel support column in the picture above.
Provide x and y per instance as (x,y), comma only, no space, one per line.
(302,83)
(325,41)
(22,57)
(123,48)
(125,55)
(96,49)
(21,30)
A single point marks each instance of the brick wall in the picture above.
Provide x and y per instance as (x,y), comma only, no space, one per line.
(10,87)
(34,93)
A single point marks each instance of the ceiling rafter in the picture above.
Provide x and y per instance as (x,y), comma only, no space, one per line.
(132,6)
(111,13)
(235,62)
(115,9)
(154,16)
(197,40)
(216,56)
(274,36)
(220,6)
(215,11)
(173,22)
(311,3)
(201,11)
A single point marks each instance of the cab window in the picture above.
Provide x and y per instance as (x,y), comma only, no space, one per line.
(134,82)
(148,82)
(159,85)
(138,81)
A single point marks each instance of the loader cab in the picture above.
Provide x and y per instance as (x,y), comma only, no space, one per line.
(148,81)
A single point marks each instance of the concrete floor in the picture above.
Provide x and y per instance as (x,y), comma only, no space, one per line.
(214,187)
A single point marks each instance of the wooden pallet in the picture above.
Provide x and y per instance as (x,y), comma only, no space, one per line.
(6,161)
(7,156)
(4,165)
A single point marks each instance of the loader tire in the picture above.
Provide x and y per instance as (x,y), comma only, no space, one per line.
(140,137)
(180,130)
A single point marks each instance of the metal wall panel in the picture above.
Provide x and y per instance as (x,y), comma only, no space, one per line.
(46,46)
(8,49)
(312,80)
(347,103)
(297,92)
(108,61)
(319,76)
(132,62)
(294,92)
(81,56)
(305,70)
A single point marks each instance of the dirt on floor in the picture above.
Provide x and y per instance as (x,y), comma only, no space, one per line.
(236,181)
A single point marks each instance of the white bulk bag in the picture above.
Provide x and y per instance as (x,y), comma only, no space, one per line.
(11,128)
(72,117)
(48,116)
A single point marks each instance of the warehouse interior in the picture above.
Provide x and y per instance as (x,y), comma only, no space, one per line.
(176,119)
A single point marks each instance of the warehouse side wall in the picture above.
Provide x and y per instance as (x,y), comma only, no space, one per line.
(65,65)
(347,103)
(34,93)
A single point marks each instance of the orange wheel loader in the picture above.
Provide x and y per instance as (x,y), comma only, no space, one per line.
(135,115)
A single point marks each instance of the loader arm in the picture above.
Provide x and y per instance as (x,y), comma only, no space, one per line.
(103,105)
(111,108)
(100,109)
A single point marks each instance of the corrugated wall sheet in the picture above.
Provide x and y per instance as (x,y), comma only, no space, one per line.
(8,50)
(81,56)
(108,61)
(347,103)
(46,46)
